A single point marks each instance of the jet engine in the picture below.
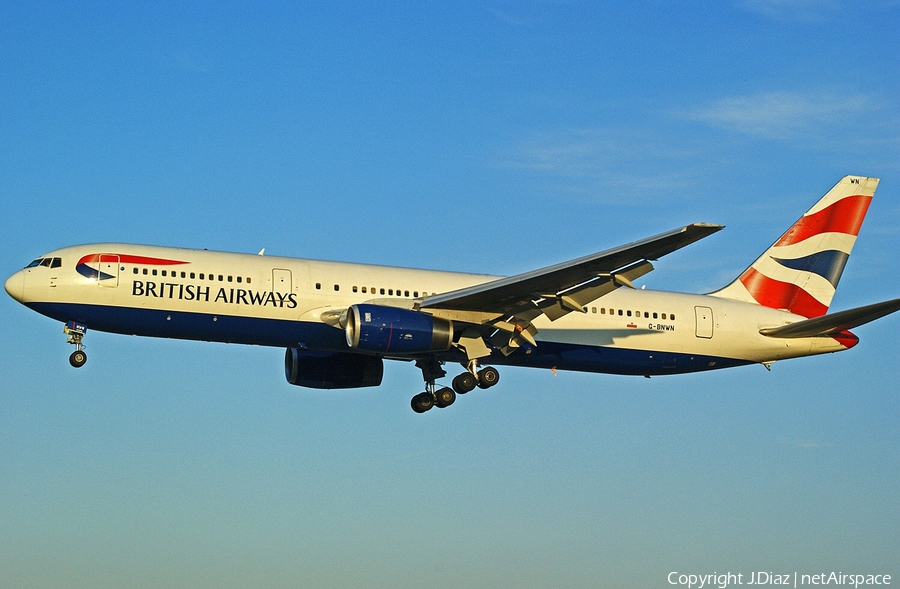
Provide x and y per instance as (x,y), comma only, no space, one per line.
(332,370)
(390,330)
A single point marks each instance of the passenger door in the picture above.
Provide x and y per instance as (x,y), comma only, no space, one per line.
(109,270)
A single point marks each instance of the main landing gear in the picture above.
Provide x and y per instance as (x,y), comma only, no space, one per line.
(462,384)
(76,332)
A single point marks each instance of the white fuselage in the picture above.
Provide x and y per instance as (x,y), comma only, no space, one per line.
(276,301)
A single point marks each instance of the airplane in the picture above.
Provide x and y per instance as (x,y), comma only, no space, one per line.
(338,322)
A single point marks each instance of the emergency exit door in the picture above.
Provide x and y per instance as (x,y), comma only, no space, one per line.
(704,322)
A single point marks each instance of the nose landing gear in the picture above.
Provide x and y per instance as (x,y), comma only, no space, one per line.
(76,332)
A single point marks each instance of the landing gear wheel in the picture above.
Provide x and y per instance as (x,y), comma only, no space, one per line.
(78,358)
(488,377)
(422,402)
(464,383)
(444,397)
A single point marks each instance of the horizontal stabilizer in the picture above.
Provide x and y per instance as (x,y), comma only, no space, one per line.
(834,323)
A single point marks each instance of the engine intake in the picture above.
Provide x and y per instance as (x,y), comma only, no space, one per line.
(389,330)
(332,370)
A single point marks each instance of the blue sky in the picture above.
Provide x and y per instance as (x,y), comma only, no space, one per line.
(490,137)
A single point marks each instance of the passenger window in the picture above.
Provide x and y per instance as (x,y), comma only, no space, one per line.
(654,315)
(391,291)
(355,289)
(629,313)
(318,286)
(364,289)
(646,315)
(406,293)
(240,278)
(248,280)
(672,317)
(163,272)
(620,312)
(57,262)
(182,274)
(135,270)
(201,276)
(153,272)
(337,287)
(603,310)
(594,310)
(382,291)
(416,293)
(229,279)
(192,276)
(220,277)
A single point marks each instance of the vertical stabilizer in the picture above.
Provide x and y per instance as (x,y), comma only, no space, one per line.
(800,272)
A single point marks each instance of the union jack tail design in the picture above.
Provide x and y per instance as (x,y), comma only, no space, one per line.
(800,272)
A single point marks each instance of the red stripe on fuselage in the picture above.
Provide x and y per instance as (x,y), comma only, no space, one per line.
(844,216)
(129,259)
(775,294)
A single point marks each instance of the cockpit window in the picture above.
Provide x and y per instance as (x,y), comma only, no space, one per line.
(35,263)
(57,262)
(46,262)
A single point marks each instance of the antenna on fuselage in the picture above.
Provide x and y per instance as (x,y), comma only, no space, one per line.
(261,252)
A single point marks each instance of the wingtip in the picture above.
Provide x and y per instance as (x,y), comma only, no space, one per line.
(709,226)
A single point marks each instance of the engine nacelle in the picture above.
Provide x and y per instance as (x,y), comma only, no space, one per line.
(332,370)
(390,330)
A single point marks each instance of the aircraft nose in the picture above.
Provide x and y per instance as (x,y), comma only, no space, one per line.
(15,286)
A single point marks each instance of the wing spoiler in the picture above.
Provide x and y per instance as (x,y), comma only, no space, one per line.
(574,281)
(834,323)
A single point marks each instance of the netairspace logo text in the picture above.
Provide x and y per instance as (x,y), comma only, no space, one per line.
(723,580)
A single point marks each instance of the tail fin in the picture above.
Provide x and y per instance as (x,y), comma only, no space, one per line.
(800,272)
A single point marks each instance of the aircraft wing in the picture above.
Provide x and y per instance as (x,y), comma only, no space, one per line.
(559,289)
(834,323)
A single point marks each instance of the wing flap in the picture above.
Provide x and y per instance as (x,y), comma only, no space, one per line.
(574,299)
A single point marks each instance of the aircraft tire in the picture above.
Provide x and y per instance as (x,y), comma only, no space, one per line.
(422,402)
(78,358)
(444,397)
(463,383)
(488,377)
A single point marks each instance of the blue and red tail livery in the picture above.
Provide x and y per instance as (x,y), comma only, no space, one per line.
(800,272)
